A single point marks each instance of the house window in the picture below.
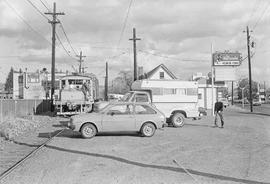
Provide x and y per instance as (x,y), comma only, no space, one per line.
(161,75)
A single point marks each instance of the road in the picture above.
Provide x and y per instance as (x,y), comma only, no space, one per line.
(239,153)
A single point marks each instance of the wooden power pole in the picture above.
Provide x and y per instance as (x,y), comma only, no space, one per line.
(134,39)
(106,83)
(80,61)
(53,22)
(249,71)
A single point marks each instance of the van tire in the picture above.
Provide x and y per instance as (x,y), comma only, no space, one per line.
(178,119)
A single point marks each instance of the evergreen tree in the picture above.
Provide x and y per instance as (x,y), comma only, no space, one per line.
(9,81)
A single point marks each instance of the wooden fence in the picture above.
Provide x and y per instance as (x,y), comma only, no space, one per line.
(23,107)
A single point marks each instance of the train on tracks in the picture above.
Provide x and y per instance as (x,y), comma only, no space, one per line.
(77,94)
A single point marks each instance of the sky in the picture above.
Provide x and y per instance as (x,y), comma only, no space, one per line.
(177,33)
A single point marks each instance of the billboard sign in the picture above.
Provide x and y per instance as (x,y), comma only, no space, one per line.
(226,59)
(225,74)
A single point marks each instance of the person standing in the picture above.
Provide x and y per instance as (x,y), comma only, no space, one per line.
(219,112)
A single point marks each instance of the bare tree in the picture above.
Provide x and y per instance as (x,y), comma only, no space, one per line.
(122,83)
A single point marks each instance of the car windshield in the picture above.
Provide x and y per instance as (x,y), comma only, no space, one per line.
(127,97)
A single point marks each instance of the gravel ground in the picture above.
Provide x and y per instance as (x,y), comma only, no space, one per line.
(239,153)
(18,133)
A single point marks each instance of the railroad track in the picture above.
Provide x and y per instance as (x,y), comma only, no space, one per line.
(13,167)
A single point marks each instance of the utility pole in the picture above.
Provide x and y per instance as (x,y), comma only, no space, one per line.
(249,71)
(212,79)
(232,92)
(83,69)
(80,61)
(54,21)
(106,83)
(134,39)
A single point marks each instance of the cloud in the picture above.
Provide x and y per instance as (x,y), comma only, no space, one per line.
(177,29)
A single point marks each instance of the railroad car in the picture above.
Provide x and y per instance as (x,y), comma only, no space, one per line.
(76,95)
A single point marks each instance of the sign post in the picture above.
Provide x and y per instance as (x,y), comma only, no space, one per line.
(225,64)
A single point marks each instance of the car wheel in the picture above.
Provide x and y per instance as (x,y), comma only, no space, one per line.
(88,130)
(178,120)
(148,130)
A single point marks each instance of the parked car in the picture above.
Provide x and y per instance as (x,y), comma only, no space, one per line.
(117,117)
(224,101)
(256,103)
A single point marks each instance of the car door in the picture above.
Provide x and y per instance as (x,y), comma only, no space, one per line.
(144,113)
(119,117)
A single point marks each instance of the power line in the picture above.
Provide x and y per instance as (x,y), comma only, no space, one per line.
(36,8)
(58,38)
(46,6)
(111,48)
(21,56)
(62,27)
(262,15)
(173,58)
(25,21)
(63,46)
(125,23)
(255,7)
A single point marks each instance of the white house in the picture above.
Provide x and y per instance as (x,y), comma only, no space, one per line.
(160,72)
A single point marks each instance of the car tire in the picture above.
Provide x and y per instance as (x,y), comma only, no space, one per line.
(88,130)
(148,130)
(178,120)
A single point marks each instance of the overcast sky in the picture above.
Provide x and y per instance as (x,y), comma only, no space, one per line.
(177,33)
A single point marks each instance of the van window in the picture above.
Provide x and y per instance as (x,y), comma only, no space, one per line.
(169,91)
(157,91)
(140,98)
(192,91)
(181,91)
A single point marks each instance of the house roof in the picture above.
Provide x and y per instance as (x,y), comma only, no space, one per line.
(151,73)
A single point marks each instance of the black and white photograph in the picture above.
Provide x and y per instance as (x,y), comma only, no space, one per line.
(134,92)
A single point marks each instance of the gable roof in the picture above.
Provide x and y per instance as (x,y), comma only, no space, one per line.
(151,73)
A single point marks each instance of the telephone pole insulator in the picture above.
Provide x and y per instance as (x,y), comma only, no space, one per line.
(54,21)
(134,39)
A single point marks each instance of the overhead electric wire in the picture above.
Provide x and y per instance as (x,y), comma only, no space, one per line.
(58,38)
(255,7)
(68,40)
(63,29)
(125,23)
(63,46)
(45,5)
(25,21)
(173,58)
(262,15)
(36,8)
